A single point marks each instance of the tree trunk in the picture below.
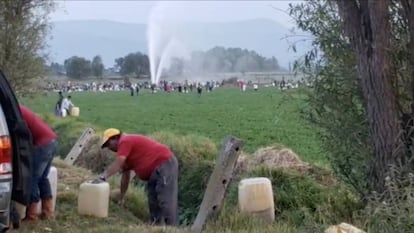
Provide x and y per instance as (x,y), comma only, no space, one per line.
(218,182)
(409,14)
(366,23)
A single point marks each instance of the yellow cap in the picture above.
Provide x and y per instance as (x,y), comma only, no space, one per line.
(108,134)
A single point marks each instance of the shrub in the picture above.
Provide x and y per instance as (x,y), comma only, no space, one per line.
(94,158)
(192,184)
(188,148)
(392,210)
(136,202)
(299,198)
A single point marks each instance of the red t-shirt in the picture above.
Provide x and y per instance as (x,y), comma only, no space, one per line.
(143,155)
(42,134)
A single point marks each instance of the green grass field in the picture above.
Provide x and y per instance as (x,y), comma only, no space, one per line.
(260,118)
(304,201)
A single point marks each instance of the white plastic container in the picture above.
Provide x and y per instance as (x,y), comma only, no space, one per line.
(21,209)
(53,180)
(256,197)
(93,199)
(74,111)
(343,228)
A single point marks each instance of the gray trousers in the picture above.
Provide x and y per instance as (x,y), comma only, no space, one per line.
(162,190)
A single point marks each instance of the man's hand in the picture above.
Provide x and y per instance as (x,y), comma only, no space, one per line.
(99,179)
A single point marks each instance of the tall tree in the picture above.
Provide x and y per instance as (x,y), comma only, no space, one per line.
(78,67)
(55,68)
(24,25)
(220,59)
(133,64)
(97,66)
(367,24)
(335,102)
(339,101)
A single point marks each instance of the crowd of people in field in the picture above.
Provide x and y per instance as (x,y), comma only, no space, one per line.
(167,86)
(164,85)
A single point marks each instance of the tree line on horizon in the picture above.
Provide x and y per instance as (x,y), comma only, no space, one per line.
(217,59)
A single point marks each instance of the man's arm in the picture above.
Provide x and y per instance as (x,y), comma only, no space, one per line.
(124,183)
(114,167)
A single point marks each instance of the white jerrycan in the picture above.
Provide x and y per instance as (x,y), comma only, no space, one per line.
(93,199)
(256,198)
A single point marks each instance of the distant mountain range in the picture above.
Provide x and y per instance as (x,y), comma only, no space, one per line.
(111,40)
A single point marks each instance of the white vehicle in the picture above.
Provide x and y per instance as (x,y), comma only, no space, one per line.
(15,157)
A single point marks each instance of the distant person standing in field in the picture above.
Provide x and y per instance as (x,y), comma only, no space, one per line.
(283,83)
(152,162)
(131,89)
(137,89)
(153,88)
(210,86)
(199,89)
(58,106)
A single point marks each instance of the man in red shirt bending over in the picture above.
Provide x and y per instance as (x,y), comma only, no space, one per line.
(45,144)
(152,162)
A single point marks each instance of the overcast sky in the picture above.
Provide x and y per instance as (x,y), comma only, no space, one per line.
(206,11)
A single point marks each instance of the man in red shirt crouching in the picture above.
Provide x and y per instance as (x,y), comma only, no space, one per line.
(152,162)
(45,145)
